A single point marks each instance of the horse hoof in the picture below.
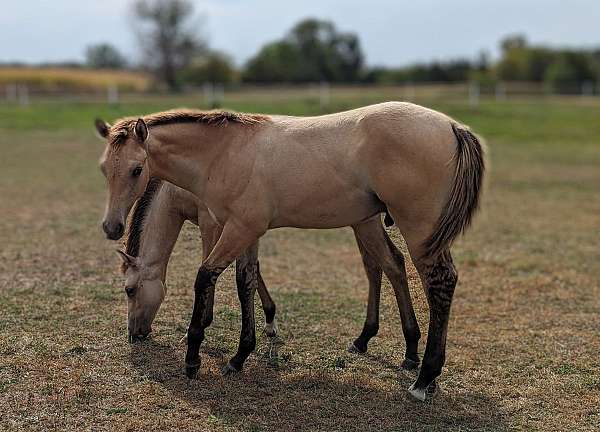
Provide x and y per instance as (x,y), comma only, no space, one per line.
(409,364)
(353,349)
(417,393)
(271,329)
(191,371)
(423,394)
(229,369)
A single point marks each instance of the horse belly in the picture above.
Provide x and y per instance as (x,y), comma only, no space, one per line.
(325,210)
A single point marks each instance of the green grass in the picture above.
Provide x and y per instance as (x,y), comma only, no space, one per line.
(524,334)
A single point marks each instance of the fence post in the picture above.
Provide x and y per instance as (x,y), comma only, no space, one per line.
(409,92)
(209,93)
(219,95)
(500,91)
(474,92)
(587,88)
(324,95)
(11,93)
(23,92)
(112,94)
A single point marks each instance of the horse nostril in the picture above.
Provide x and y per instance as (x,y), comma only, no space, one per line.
(113,231)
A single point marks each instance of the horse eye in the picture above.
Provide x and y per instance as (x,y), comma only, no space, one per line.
(130,291)
(137,171)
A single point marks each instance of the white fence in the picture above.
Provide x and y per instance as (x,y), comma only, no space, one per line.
(215,95)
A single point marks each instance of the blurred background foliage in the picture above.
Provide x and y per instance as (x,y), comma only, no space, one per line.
(174,54)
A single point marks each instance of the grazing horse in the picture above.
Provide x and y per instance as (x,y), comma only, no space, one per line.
(255,173)
(157,219)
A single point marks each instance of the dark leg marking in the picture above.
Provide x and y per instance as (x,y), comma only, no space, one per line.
(268,304)
(371,325)
(202,315)
(246,280)
(441,278)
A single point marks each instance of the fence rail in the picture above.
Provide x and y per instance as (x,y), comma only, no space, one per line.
(214,95)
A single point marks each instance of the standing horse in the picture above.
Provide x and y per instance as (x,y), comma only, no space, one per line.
(157,219)
(255,173)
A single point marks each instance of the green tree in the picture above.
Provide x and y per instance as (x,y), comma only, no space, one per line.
(104,56)
(214,67)
(312,51)
(513,64)
(168,36)
(275,62)
(570,70)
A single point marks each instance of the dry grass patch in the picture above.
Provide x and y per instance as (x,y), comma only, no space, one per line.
(524,334)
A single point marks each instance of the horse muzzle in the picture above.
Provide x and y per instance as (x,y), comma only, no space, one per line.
(113,230)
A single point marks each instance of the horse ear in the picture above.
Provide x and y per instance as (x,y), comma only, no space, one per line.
(128,260)
(141,131)
(102,127)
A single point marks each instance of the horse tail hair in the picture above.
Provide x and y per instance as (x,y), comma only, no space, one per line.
(464,195)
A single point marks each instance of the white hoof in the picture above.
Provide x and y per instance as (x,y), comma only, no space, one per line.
(271,329)
(420,394)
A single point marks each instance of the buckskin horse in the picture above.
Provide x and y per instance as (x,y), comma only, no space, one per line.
(258,172)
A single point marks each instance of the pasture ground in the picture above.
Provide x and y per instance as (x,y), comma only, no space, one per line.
(524,338)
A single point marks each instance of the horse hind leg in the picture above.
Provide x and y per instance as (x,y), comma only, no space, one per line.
(440,277)
(377,243)
(371,325)
(268,305)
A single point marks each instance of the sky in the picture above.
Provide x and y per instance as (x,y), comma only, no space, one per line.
(392,32)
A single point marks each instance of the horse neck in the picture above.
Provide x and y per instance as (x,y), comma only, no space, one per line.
(184,151)
(162,225)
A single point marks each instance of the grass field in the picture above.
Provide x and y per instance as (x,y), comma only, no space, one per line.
(524,338)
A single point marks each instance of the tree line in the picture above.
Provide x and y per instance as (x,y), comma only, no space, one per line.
(315,51)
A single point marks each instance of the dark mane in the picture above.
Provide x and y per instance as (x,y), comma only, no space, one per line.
(136,222)
(123,127)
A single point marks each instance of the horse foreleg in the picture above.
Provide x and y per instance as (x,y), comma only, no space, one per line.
(246,281)
(377,243)
(233,241)
(202,315)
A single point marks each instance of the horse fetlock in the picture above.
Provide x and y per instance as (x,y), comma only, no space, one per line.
(427,375)
(192,367)
(422,393)
(269,311)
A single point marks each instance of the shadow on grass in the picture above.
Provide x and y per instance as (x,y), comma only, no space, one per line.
(296,399)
